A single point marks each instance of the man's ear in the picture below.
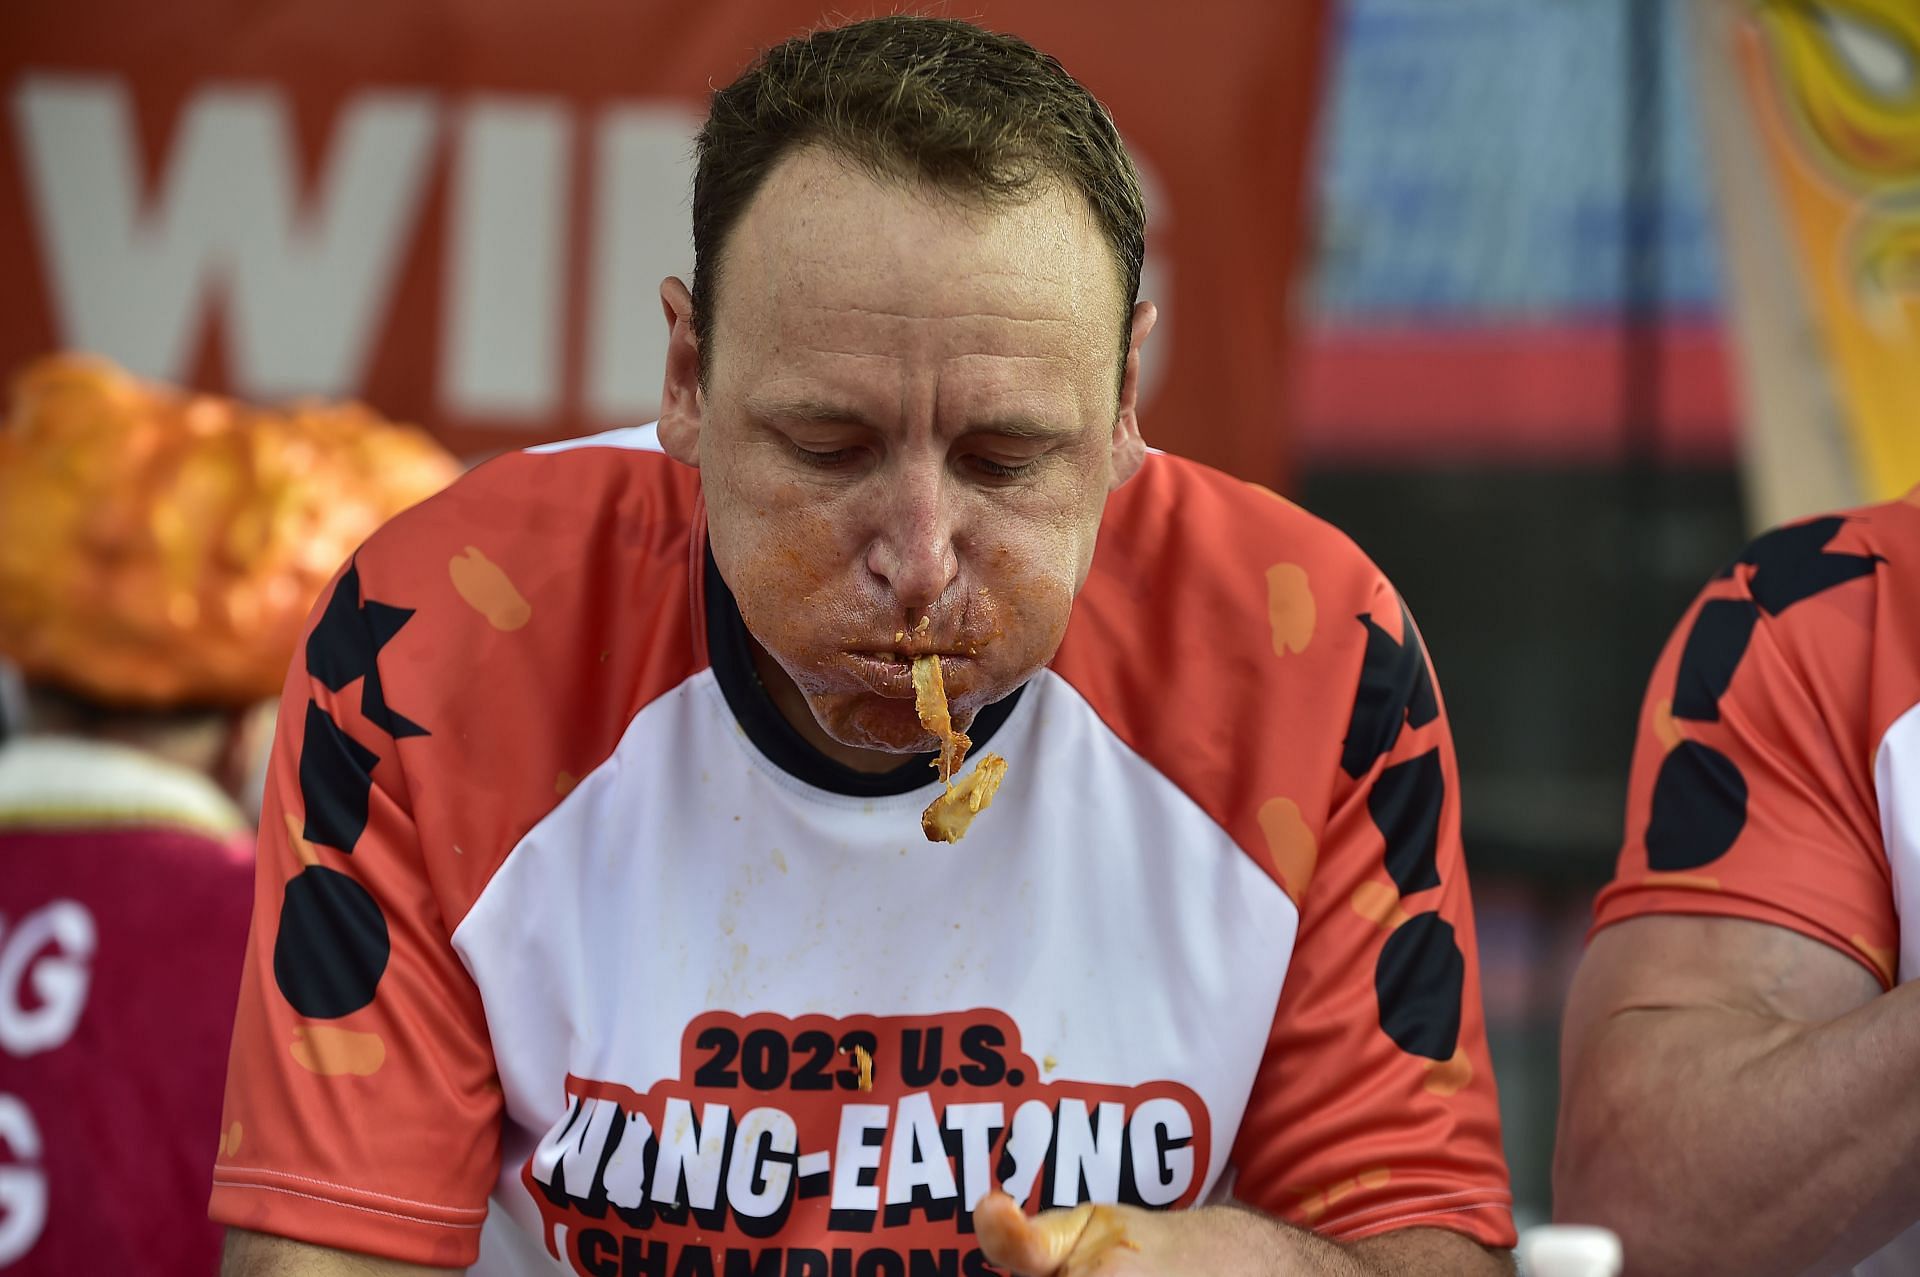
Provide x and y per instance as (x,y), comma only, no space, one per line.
(680,399)
(1129,447)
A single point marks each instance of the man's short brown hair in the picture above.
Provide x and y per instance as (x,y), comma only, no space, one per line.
(975,114)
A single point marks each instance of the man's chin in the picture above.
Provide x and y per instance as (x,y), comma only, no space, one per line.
(881,724)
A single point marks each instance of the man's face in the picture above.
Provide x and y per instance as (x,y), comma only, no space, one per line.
(910,427)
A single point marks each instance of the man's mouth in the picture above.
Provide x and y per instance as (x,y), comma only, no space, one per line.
(889,672)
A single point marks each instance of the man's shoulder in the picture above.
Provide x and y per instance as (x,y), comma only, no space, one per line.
(1755,785)
(1804,558)
(550,529)
(1837,598)
(541,567)
(499,638)
(1249,566)
(1222,635)
(570,490)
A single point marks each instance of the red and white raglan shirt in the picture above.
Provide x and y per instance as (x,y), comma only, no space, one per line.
(125,883)
(1776,776)
(553,906)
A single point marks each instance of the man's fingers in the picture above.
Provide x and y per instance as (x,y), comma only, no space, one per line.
(1030,1247)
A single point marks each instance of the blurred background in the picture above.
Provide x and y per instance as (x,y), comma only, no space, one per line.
(1549,303)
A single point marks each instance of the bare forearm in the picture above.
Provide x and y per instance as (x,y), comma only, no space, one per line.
(1429,1252)
(249,1254)
(1722,1141)
(1240,1243)
(1220,1241)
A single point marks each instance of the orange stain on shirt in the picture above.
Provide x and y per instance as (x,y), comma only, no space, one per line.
(332,1052)
(1379,904)
(488,591)
(1683,882)
(296,838)
(1318,1201)
(230,1141)
(563,783)
(1449,1077)
(1314,1206)
(1291,844)
(1290,608)
(1666,728)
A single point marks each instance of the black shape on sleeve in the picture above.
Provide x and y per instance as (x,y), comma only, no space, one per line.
(336,778)
(1791,564)
(1405,804)
(345,645)
(1699,808)
(332,947)
(1395,686)
(1714,647)
(1420,981)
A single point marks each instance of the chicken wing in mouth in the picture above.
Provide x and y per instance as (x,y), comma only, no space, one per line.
(947,817)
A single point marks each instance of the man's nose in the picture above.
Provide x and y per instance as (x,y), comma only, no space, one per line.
(913,549)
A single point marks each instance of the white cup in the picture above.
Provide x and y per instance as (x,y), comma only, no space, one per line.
(1569,1250)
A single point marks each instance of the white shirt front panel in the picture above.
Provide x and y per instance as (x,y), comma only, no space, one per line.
(1122,932)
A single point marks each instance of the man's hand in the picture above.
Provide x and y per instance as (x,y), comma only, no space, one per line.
(1218,1241)
(1087,1241)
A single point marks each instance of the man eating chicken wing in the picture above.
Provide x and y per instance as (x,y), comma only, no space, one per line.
(607,837)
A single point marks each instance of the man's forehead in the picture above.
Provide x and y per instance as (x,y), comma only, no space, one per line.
(825,232)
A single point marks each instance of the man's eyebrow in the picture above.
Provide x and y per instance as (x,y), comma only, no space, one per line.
(807,412)
(822,412)
(1034,428)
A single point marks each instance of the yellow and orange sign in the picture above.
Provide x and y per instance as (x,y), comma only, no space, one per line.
(1834,87)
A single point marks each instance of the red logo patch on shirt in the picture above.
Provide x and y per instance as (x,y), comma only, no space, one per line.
(866,1140)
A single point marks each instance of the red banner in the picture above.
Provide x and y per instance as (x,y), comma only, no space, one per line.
(460,210)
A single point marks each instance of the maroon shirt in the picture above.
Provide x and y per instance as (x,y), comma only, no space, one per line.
(125,889)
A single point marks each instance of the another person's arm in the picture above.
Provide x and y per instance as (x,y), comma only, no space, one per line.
(1737,1084)
(1735,1095)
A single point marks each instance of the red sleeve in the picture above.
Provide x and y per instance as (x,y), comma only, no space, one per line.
(362,1105)
(1752,789)
(1374,1108)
